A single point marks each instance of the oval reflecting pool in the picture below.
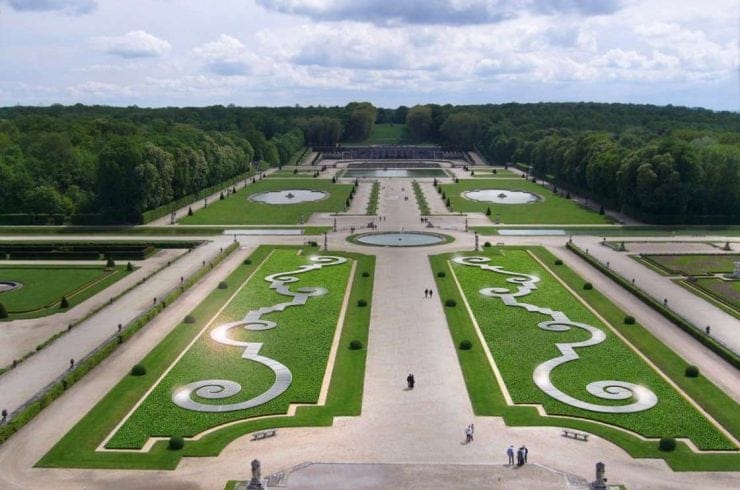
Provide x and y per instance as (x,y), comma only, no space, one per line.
(9,285)
(400,239)
(288,196)
(501,196)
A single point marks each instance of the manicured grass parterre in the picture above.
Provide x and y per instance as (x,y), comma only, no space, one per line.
(550,209)
(238,209)
(44,286)
(693,264)
(301,342)
(518,346)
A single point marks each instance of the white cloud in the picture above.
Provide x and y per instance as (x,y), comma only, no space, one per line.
(227,56)
(75,7)
(441,12)
(134,44)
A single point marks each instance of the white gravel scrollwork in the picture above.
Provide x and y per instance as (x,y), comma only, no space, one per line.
(216,389)
(644,399)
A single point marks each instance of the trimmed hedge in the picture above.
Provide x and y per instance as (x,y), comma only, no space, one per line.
(669,315)
(450,303)
(629,320)
(361,302)
(138,370)
(692,372)
(176,443)
(355,345)
(466,345)
(667,444)
(588,286)
(441,274)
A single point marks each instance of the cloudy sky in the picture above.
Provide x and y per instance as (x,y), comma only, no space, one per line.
(389,52)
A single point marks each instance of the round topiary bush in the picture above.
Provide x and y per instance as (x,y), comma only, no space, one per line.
(667,444)
(487,244)
(222,285)
(138,370)
(110,262)
(176,443)
(361,302)
(365,274)
(247,261)
(629,320)
(64,303)
(355,345)
(129,267)
(691,371)
(558,262)
(441,274)
(450,303)
(3,311)
(466,345)
(189,319)
(588,285)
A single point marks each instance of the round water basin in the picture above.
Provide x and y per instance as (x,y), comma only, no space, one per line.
(9,286)
(501,196)
(400,239)
(288,196)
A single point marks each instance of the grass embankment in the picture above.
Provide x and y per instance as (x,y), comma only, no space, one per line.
(238,209)
(77,448)
(519,345)
(550,209)
(44,286)
(386,134)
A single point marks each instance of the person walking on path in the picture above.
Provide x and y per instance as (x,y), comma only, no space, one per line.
(510,454)
(468,435)
(430,293)
(410,381)
(472,432)
(526,452)
(520,456)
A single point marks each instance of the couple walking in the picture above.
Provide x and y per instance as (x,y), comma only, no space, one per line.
(428,293)
(521,455)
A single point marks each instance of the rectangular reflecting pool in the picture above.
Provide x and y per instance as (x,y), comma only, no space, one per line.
(377,173)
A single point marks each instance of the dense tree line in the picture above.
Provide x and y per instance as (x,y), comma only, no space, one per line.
(663,164)
(650,161)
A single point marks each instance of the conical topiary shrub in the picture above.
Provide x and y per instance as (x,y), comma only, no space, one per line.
(3,311)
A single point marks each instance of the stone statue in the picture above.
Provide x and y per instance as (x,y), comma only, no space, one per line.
(255,482)
(600,482)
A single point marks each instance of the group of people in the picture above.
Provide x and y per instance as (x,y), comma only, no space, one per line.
(410,381)
(428,293)
(521,455)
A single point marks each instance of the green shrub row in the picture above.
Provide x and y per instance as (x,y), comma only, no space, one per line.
(372,205)
(688,327)
(421,200)
(54,391)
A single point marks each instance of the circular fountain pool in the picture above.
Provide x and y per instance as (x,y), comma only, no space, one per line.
(501,196)
(400,239)
(288,196)
(9,286)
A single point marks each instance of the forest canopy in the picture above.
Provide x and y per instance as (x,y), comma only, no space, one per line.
(661,164)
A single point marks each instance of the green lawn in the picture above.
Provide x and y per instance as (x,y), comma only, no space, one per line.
(518,345)
(237,209)
(386,134)
(694,264)
(44,286)
(501,173)
(550,209)
(300,341)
